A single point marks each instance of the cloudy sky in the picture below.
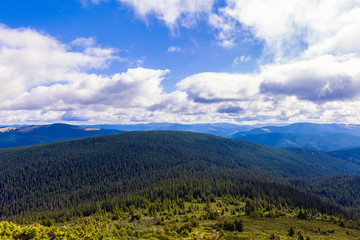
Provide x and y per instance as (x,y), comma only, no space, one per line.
(185,61)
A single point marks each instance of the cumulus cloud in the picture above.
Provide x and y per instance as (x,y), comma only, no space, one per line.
(325,78)
(317,90)
(219,87)
(288,28)
(137,87)
(314,75)
(44,80)
(314,89)
(172,12)
(315,55)
(292,28)
(37,72)
(29,59)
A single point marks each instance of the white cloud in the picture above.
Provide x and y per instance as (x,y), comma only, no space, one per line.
(340,39)
(288,28)
(241,59)
(137,87)
(39,73)
(219,87)
(172,12)
(230,31)
(316,90)
(326,78)
(174,49)
(314,76)
(291,27)
(44,80)
(83,42)
(29,58)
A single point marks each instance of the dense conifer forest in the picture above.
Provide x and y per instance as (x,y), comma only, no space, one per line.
(174,185)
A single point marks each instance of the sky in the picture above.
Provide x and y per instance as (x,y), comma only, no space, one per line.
(179,61)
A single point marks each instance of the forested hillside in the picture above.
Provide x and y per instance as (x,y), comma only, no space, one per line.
(342,189)
(183,185)
(64,175)
(351,155)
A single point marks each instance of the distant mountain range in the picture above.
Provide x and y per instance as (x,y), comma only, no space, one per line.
(309,128)
(32,135)
(217,129)
(321,137)
(16,136)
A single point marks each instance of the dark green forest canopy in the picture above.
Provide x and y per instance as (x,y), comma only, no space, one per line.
(342,189)
(351,155)
(159,164)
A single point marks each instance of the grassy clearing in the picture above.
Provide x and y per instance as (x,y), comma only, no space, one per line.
(192,223)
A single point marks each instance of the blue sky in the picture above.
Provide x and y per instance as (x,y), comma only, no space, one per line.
(116,25)
(130,61)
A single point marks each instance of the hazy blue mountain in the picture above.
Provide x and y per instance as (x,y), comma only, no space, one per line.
(321,137)
(38,134)
(309,128)
(322,142)
(217,129)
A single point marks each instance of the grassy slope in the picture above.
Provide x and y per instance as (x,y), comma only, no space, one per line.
(166,226)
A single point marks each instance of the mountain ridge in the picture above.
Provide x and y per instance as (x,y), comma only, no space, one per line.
(54,175)
(39,134)
(320,137)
